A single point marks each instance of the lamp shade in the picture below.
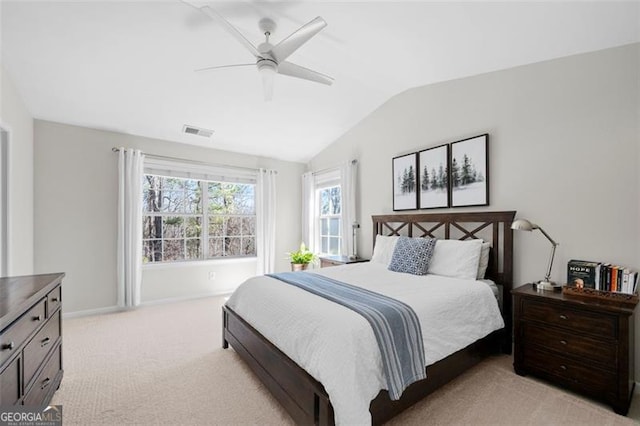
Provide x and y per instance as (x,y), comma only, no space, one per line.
(523,225)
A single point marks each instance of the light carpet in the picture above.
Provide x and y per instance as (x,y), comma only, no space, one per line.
(164,364)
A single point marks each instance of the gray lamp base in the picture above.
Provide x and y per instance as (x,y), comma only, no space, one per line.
(546,285)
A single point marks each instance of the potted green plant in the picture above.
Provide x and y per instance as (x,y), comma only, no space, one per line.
(301,258)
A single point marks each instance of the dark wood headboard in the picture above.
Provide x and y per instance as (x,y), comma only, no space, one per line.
(492,227)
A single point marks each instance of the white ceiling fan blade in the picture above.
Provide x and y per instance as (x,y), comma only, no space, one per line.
(224,66)
(290,44)
(293,70)
(231,30)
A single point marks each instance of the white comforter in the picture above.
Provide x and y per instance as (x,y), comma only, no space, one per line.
(337,346)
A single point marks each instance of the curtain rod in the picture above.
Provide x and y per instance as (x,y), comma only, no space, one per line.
(202,163)
(329,169)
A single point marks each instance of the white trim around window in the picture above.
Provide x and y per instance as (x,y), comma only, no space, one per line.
(192,263)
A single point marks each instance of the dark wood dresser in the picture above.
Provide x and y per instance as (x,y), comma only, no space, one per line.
(30,338)
(582,344)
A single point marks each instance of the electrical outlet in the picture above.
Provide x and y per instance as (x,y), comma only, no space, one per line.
(212,275)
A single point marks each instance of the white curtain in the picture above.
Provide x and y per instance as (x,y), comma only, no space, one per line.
(130,171)
(266,221)
(308,211)
(348,173)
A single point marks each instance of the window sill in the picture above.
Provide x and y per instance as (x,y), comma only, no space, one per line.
(196,263)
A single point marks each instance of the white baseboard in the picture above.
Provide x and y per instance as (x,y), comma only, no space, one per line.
(185,298)
(112,309)
(91,312)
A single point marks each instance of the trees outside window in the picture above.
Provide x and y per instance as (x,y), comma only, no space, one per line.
(187,219)
(330,201)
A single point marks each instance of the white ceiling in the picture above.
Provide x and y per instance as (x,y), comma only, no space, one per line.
(129,66)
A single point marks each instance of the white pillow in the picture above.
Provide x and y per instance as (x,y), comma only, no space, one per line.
(484,260)
(456,258)
(383,250)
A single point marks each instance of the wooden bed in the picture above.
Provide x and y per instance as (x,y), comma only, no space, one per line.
(305,399)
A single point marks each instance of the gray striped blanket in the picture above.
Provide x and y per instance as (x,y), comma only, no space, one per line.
(395,325)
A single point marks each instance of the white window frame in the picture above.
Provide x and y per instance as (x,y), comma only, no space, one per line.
(323,181)
(204,174)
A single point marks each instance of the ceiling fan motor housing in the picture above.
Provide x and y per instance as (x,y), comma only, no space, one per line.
(267,64)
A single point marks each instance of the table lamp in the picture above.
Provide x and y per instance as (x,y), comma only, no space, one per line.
(525,225)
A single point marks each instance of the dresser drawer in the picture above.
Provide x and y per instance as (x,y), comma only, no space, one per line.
(570,343)
(38,348)
(45,380)
(598,324)
(583,376)
(54,300)
(10,383)
(15,335)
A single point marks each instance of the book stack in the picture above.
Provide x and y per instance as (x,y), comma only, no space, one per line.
(601,276)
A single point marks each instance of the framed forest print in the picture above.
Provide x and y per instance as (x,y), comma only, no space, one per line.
(469,172)
(433,172)
(405,178)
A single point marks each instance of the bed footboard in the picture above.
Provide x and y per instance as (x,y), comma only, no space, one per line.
(303,397)
(382,408)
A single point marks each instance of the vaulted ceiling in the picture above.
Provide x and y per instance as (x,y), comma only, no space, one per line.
(129,66)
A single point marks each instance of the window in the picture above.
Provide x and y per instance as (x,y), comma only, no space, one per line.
(329,203)
(188,219)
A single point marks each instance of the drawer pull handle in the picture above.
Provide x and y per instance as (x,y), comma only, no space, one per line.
(45,342)
(45,383)
(563,367)
(564,317)
(38,318)
(563,342)
(54,299)
(9,346)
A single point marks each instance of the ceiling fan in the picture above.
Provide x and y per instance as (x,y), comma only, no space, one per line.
(271,59)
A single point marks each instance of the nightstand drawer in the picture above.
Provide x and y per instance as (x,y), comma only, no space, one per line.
(569,343)
(601,325)
(572,373)
(325,263)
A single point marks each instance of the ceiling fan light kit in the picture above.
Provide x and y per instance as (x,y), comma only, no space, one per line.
(270,59)
(268,70)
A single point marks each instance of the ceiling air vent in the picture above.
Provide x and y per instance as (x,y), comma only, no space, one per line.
(193,130)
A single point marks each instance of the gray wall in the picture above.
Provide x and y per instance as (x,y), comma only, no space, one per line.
(75,220)
(564,153)
(16,119)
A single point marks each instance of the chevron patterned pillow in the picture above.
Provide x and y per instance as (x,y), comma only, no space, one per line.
(412,255)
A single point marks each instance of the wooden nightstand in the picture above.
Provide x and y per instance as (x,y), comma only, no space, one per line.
(326,261)
(582,344)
